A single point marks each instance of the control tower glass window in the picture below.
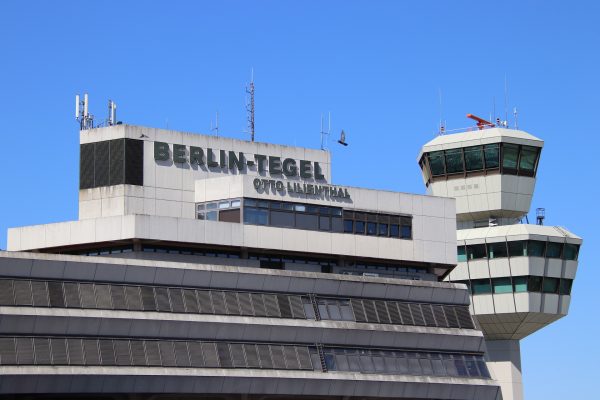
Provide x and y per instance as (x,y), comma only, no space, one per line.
(492,155)
(527,160)
(436,163)
(454,161)
(473,158)
(510,156)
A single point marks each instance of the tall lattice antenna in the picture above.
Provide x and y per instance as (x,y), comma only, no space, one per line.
(250,105)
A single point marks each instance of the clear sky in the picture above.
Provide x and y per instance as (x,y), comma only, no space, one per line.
(378,67)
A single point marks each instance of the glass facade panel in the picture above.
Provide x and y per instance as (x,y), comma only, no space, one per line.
(461,254)
(476,251)
(383,229)
(519,284)
(348,226)
(491,152)
(536,248)
(307,221)
(570,252)
(517,248)
(324,223)
(282,219)
(473,158)
(454,161)
(481,286)
(359,227)
(565,286)
(394,230)
(371,228)
(534,284)
(550,285)
(256,216)
(553,250)
(510,156)
(436,163)
(497,250)
(502,285)
(528,159)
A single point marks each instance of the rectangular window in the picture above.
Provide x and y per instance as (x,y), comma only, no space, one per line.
(454,161)
(491,155)
(502,285)
(528,160)
(550,285)
(481,286)
(359,227)
(348,226)
(476,251)
(536,248)
(565,286)
(383,229)
(553,249)
(534,284)
(497,250)
(436,163)
(256,216)
(461,254)
(282,219)
(517,248)
(336,224)
(473,158)
(394,230)
(571,251)
(324,223)
(232,215)
(307,221)
(519,284)
(211,215)
(371,228)
(510,156)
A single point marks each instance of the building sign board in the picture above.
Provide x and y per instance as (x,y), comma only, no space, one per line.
(213,158)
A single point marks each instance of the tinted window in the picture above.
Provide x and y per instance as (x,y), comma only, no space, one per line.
(307,221)
(510,155)
(571,251)
(348,226)
(336,224)
(502,285)
(553,250)
(282,218)
(520,284)
(517,248)
(534,284)
(359,227)
(461,254)
(383,229)
(371,228)
(394,230)
(473,158)
(535,248)
(230,215)
(491,155)
(406,232)
(436,163)
(481,286)
(497,250)
(324,223)
(476,251)
(528,159)
(565,286)
(256,216)
(550,285)
(454,162)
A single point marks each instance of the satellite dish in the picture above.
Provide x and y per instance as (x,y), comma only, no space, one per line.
(342,140)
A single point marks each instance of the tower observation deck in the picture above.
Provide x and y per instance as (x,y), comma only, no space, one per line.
(519,275)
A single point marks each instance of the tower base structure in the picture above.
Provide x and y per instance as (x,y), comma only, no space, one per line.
(504,364)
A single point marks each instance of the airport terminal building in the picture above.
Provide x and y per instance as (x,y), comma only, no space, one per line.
(202,267)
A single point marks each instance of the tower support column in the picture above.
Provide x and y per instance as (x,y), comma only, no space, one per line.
(505,366)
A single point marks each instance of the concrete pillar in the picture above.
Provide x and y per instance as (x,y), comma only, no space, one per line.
(505,366)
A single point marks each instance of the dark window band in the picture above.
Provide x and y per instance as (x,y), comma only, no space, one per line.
(223,302)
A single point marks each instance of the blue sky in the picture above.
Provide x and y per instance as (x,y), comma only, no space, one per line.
(377,66)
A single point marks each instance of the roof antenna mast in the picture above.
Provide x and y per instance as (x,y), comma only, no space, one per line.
(325,134)
(250,105)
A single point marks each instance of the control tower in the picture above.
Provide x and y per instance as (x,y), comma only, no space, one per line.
(519,274)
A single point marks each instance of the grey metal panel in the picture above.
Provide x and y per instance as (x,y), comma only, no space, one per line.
(118,296)
(75,350)
(88,296)
(22,292)
(134,299)
(42,351)
(176,296)
(40,294)
(58,347)
(71,290)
